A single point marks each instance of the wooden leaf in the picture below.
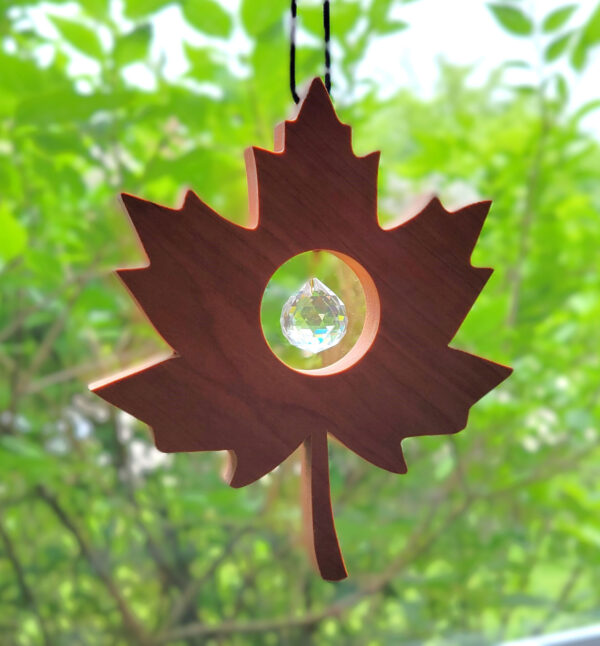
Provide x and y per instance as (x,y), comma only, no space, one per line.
(223,388)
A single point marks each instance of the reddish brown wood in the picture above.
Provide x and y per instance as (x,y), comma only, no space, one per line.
(223,388)
(320,534)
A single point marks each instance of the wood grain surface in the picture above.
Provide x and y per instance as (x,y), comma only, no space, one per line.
(223,388)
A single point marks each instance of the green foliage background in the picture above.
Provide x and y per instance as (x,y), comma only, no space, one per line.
(493,534)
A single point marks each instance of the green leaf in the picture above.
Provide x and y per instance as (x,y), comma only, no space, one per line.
(591,31)
(378,13)
(562,89)
(208,17)
(512,19)
(202,60)
(311,19)
(258,17)
(525,90)
(557,47)
(587,534)
(141,8)
(392,26)
(97,8)
(133,46)
(79,36)
(344,17)
(26,457)
(585,109)
(519,64)
(13,235)
(21,446)
(63,106)
(579,55)
(589,38)
(558,18)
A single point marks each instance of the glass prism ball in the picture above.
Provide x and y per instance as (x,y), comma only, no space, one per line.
(314,318)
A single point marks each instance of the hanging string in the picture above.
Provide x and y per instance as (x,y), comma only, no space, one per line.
(327,32)
(327,38)
(293,54)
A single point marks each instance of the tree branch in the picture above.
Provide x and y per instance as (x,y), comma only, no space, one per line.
(26,591)
(530,203)
(21,315)
(45,347)
(131,623)
(414,549)
(69,373)
(565,593)
(548,470)
(185,601)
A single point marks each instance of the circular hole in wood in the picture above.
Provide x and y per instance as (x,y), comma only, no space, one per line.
(320,312)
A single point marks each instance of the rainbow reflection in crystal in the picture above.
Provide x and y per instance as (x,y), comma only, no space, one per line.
(314,318)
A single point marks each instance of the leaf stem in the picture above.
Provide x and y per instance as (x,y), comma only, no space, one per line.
(318,514)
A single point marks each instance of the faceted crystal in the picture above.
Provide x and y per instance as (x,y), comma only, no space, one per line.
(314,318)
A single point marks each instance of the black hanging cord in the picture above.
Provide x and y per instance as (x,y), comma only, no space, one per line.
(293,53)
(327,35)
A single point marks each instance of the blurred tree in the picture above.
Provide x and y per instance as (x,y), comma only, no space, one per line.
(103,540)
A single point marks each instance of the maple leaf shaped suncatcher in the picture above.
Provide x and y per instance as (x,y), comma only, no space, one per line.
(224,389)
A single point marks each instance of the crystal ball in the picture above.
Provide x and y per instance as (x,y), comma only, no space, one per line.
(314,318)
